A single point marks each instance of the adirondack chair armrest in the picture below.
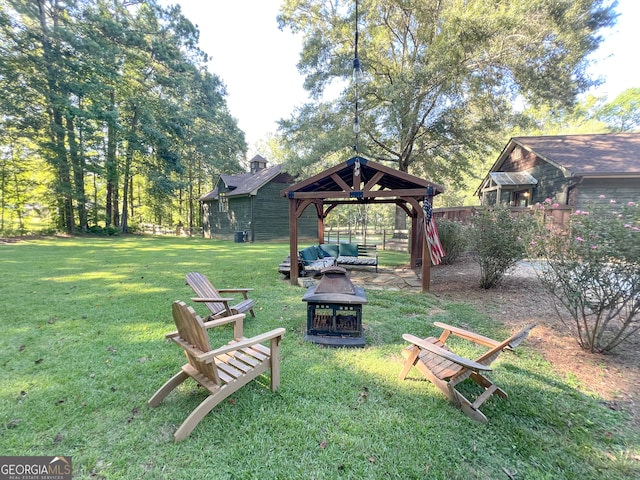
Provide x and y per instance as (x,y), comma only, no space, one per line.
(467,335)
(212,300)
(465,362)
(224,320)
(245,342)
(237,320)
(243,291)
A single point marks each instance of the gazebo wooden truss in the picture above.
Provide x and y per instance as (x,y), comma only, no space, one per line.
(359,180)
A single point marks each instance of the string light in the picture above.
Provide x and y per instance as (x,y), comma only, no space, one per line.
(357,78)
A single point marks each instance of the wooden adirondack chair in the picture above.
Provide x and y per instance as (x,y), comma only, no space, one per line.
(445,369)
(221,371)
(218,305)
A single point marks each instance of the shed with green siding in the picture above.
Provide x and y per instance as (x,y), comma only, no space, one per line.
(248,206)
(571,170)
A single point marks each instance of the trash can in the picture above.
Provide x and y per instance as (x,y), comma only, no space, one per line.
(239,237)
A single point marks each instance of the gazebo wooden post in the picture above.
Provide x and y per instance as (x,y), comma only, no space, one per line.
(415,239)
(321,217)
(293,241)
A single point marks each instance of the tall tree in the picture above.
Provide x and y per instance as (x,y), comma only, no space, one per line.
(440,75)
(622,114)
(115,91)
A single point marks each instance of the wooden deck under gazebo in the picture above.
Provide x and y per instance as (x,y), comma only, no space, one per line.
(359,180)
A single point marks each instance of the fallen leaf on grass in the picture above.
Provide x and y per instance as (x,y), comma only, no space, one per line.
(13,423)
(323,444)
(134,412)
(613,405)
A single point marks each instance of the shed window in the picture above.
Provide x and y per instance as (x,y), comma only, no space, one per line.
(223,203)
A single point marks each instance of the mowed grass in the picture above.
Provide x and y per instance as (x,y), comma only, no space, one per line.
(82,350)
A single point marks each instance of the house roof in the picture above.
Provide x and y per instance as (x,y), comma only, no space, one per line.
(612,154)
(244,183)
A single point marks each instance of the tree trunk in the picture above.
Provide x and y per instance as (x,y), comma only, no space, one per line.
(111,167)
(78,165)
(127,171)
(56,125)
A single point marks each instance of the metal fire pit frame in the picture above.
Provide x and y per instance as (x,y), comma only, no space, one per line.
(336,297)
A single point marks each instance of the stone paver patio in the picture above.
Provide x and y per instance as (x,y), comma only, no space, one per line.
(401,278)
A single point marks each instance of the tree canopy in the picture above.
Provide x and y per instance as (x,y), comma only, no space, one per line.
(440,76)
(115,97)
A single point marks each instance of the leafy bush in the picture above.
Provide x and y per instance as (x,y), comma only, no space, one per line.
(98,230)
(453,239)
(592,267)
(497,242)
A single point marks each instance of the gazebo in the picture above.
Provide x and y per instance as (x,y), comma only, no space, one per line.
(359,180)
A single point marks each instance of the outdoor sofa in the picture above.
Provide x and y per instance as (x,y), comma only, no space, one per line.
(316,257)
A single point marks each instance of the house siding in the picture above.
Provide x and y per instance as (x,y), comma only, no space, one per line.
(223,225)
(271,216)
(622,190)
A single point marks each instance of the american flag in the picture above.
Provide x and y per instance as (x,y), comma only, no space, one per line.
(433,239)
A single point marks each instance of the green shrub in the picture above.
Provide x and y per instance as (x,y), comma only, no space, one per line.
(592,267)
(106,231)
(453,238)
(497,242)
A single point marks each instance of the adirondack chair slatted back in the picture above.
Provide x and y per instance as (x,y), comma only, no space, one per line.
(191,329)
(203,288)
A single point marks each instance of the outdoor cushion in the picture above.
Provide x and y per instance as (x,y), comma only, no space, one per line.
(329,250)
(348,249)
(309,254)
(319,252)
(349,260)
(319,264)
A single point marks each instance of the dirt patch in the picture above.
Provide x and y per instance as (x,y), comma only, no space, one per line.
(521,300)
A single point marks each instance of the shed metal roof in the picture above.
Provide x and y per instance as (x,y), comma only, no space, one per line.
(513,178)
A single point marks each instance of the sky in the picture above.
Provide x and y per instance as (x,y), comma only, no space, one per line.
(257,61)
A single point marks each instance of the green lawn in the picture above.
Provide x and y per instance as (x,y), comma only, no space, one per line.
(83,349)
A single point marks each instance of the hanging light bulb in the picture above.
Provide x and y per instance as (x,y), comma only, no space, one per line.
(356,125)
(357,71)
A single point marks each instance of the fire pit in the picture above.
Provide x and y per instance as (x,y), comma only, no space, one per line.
(334,310)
